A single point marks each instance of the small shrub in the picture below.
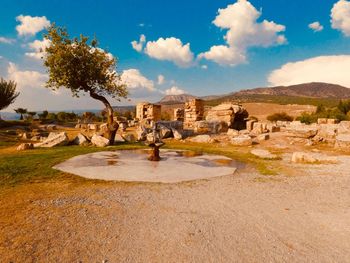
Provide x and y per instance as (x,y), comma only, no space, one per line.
(307,118)
(280,116)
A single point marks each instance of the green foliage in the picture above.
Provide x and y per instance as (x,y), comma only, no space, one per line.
(81,66)
(8,93)
(339,113)
(344,106)
(320,108)
(21,111)
(89,116)
(280,116)
(51,116)
(307,118)
(129,115)
(43,115)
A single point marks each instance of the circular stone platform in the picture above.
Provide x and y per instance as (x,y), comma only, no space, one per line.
(132,165)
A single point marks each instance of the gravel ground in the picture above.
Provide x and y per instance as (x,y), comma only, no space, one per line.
(245,217)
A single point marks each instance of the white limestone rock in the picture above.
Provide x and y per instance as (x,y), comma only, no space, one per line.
(54,139)
(99,141)
(242,140)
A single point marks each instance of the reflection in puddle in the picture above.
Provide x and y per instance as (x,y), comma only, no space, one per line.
(112,162)
(133,165)
(116,158)
(189,154)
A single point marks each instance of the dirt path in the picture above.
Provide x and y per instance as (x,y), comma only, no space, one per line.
(240,218)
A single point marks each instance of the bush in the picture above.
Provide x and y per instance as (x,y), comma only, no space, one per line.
(307,118)
(281,116)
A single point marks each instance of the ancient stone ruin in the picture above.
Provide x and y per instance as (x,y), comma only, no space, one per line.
(179,114)
(194,111)
(148,111)
(232,114)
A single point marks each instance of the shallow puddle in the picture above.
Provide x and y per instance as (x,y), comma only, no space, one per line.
(133,165)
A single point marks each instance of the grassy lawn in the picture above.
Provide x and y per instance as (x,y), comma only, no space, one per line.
(242,154)
(34,166)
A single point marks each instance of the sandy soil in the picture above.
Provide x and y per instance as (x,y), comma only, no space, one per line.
(262,110)
(245,217)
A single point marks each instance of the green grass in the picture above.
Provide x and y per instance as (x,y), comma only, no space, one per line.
(35,165)
(241,154)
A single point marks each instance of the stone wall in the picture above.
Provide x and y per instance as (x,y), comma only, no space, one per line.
(194,111)
(148,111)
(179,114)
(232,114)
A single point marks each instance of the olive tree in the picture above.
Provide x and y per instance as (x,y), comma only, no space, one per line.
(81,66)
(8,93)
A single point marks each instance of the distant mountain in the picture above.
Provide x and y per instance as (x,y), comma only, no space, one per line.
(312,90)
(175,99)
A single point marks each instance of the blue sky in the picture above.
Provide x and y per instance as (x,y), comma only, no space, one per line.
(257,60)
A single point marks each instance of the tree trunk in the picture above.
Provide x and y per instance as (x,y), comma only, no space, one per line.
(112,125)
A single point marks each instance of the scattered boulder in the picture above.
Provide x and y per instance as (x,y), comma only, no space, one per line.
(259,127)
(51,127)
(177,134)
(130,137)
(213,127)
(263,154)
(250,124)
(232,132)
(302,131)
(25,146)
(263,137)
(302,157)
(99,141)
(25,136)
(242,140)
(80,139)
(54,139)
(165,132)
(342,141)
(123,125)
(36,138)
(92,127)
(141,133)
(104,127)
(119,138)
(202,139)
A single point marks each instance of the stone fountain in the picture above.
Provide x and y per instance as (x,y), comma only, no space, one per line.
(154,141)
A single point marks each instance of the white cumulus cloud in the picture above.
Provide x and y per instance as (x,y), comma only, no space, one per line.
(316,26)
(135,80)
(161,79)
(340,17)
(26,78)
(38,47)
(30,25)
(243,31)
(174,90)
(138,45)
(329,69)
(224,55)
(170,49)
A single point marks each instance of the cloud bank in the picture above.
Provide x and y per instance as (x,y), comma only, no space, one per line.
(329,69)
